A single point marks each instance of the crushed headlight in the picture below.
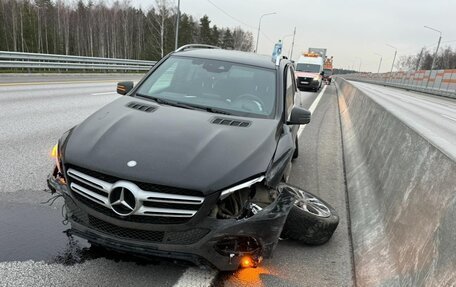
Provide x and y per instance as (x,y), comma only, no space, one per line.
(246,184)
(243,200)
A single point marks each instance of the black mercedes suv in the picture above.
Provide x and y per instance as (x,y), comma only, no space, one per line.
(190,163)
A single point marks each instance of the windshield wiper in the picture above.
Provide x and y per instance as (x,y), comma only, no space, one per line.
(216,111)
(155,99)
(166,102)
(182,105)
(210,109)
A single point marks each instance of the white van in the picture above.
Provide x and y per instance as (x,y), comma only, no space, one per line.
(309,72)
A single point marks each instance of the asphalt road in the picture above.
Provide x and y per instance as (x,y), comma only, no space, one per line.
(36,110)
(432,117)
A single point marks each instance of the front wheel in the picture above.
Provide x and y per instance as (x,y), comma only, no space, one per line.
(311,220)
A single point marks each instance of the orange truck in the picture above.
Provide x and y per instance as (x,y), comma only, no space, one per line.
(328,69)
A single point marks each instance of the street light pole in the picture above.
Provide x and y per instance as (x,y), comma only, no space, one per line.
(436,51)
(419,60)
(177,24)
(292,45)
(259,27)
(284,37)
(394,59)
(380,64)
(438,45)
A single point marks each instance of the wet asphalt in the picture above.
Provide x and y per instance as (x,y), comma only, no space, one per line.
(35,249)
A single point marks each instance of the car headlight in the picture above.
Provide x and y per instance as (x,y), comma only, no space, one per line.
(246,184)
(316,78)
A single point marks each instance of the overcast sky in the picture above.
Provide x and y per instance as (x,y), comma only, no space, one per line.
(351,30)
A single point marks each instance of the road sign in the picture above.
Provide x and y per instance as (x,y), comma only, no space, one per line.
(277,51)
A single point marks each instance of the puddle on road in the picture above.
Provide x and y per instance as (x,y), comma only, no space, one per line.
(33,231)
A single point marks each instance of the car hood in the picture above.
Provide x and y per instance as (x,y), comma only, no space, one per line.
(306,74)
(172,146)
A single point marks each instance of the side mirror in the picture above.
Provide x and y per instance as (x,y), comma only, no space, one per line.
(322,73)
(124,87)
(299,116)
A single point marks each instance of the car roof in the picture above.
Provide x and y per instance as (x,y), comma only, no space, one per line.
(245,58)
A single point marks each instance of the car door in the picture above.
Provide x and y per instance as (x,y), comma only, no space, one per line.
(291,96)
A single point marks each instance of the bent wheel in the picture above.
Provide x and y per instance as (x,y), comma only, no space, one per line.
(311,220)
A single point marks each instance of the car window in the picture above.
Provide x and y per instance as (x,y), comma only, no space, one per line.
(290,91)
(164,81)
(234,88)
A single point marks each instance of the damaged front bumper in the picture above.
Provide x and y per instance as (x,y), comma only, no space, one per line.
(222,243)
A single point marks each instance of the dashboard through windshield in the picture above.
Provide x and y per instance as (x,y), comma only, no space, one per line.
(213,85)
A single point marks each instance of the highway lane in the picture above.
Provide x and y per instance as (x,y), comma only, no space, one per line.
(432,117)
(32,118)
(33,248)
(46,78)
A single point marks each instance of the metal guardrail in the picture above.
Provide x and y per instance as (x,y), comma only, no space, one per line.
(437,82)
(19,60)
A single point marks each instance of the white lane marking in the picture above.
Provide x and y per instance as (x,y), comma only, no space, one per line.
(312,109)
(107,93)
(196,277)
(448,117)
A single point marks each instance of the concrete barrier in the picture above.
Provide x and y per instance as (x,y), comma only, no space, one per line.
(437,82)
(402,197)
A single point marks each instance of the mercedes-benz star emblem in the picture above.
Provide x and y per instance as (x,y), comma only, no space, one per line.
(131,163)
(122,200)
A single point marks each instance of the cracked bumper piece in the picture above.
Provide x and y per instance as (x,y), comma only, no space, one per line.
(220,242)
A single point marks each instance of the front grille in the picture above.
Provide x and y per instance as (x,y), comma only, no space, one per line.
(151,203)
(128,233)
(132,218)
(185,237)
(304,79)
(142,185)
(174,237)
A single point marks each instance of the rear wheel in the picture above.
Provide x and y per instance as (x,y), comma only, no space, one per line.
(311,220)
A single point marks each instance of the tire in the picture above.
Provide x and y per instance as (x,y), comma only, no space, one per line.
(296,151)
(311,220)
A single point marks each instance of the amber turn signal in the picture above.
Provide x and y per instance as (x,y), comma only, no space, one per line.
(54,152)
(247,262)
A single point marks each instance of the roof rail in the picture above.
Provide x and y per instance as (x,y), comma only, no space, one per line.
(196,46)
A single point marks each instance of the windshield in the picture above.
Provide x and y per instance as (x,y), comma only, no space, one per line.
(311,68)
(216,86)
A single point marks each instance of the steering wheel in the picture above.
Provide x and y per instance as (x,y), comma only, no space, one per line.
(250,103)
